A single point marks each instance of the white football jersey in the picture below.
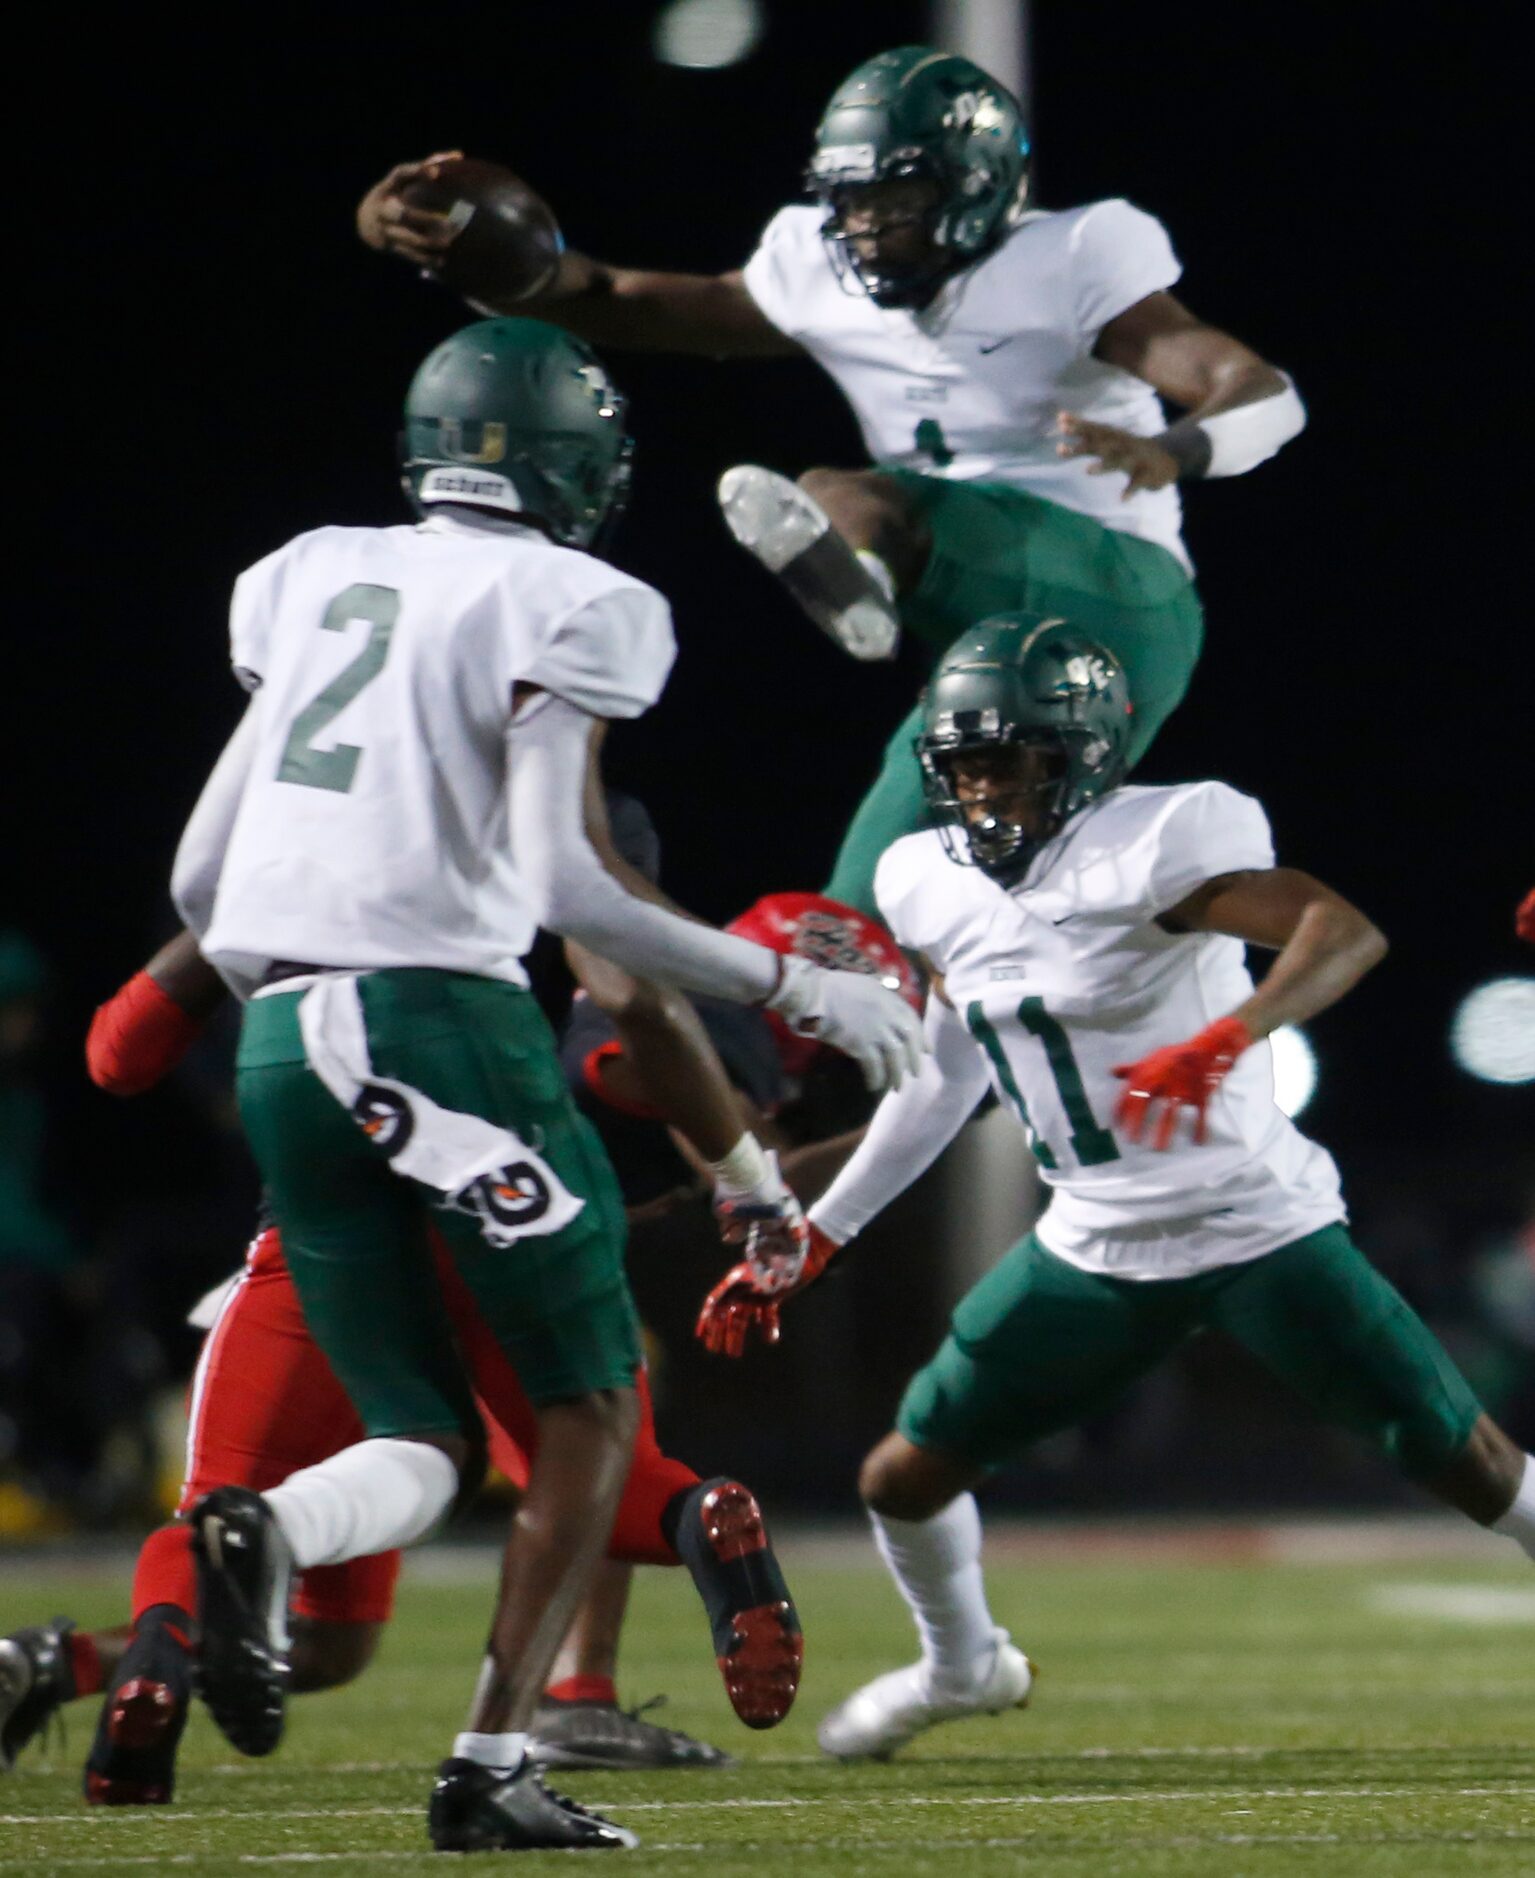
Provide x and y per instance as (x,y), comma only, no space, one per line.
(1068,975)
(373,827)
(970,387)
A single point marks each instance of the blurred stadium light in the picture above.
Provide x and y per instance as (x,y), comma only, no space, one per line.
(706,34)
(1295,1068)
(1492,1035)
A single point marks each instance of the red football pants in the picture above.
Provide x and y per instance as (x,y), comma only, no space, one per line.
(266,1403)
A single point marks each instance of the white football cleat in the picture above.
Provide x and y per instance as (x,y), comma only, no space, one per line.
(792,536)
(885,1714)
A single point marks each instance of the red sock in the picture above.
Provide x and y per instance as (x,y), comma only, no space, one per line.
(654,1481)
(85,1663)
(583,1689)
(165,1573)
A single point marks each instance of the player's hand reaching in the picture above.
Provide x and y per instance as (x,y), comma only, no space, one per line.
(1141,459)
(1524,919)
(1182,1076)
(855,1013)
(387,222)
(770,1223)
(747,1299)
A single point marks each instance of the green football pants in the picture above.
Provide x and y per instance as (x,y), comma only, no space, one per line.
(999,550)
(1039,1345)
(355,1231)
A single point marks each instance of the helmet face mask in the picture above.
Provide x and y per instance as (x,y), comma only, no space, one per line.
(919,114)
(1027,723)
(517,417)
(1001,800)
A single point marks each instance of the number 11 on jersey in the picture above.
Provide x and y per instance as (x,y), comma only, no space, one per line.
(1090,1143)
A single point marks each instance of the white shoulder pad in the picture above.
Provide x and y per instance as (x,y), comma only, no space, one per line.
(1119,255)
(611,653)
(908,886)
(252,607)
(1205,829)
(790,248)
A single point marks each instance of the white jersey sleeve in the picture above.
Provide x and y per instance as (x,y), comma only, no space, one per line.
(910,1128)
(775,275)
(609,656)
(1208,829)
(252,608)
(1119,254)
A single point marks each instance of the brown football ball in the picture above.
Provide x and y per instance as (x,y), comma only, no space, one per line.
(508,245)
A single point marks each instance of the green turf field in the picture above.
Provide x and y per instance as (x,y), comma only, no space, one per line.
(1202,1713)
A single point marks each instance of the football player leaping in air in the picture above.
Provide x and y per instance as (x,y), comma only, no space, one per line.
(400,808)
(1006,365)
(1086,939)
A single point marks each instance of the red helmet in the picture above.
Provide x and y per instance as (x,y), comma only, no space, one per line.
(827,933)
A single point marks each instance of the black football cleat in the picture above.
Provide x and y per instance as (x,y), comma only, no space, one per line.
(602,1735)
(485,1809)
(133,1758)
(243,1572)
(758,1644)
(36,1679)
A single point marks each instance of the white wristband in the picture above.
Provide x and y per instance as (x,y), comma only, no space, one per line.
(744,1169)
(1250,434)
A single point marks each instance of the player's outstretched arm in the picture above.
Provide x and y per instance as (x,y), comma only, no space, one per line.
(552,748)
(1325,946)
(638,309)
(1238,409)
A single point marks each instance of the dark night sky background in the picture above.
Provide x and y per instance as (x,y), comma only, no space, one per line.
(217,364)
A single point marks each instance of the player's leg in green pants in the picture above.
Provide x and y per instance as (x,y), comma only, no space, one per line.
(998,550)
(355,1232)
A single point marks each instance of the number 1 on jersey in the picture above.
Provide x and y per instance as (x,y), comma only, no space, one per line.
(1091,1144)
(335,769)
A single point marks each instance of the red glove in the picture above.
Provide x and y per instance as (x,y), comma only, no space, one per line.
(1524,919)
(747,1298)
(1184,1075)
(137,1037)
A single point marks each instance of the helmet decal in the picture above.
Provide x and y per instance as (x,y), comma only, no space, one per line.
(450,439)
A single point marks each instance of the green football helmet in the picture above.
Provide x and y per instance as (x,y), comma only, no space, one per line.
(1023,681)
(918,112)
(518,416)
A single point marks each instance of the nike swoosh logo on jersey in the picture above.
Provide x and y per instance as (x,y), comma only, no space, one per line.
(997,344)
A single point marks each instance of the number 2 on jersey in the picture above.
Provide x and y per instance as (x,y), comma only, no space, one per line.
(335,769)
(1091,1144)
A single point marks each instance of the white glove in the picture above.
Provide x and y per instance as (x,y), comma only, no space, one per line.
(854,1013)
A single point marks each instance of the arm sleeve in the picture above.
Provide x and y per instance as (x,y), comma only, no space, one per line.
(200,856)
(1119,255)
(910,1129)
(250,619)
(547,756)
(611,655)
(771,273)
(1211,829)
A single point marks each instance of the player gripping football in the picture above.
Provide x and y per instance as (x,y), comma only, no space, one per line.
(1007,367)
